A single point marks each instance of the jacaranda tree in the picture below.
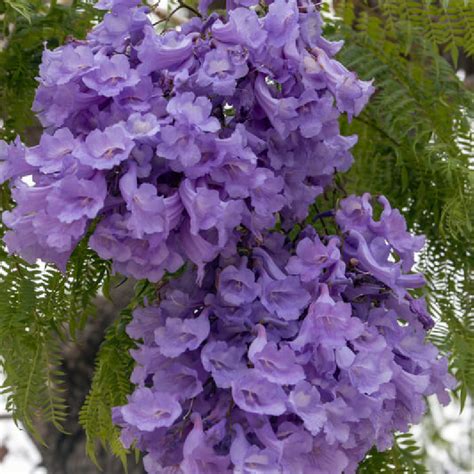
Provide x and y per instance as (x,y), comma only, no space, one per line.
(265,186)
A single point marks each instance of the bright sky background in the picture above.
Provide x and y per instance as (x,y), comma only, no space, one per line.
(22,456)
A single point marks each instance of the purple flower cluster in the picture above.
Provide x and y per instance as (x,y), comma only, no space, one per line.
(171,142)
(289,358)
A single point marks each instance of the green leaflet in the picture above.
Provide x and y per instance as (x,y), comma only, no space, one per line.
(111,382)
(405,457)
(110,386)
(22,7)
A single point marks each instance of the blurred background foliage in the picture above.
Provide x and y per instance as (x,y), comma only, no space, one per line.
(25,27)
(415,146)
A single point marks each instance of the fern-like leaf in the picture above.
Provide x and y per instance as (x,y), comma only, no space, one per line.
(405,457)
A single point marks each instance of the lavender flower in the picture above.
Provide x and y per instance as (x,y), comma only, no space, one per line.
(73,198)
(178,335)
(105,149)
(312,258)
(220,70)
(197,112)
(111,75)
(237,285)
(164,409)
(253,394)
(53,152)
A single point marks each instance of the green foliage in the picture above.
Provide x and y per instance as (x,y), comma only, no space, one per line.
(451,303)
(448,24)
(21,7)
(405,457)
(29,349)
(40,308)
(88,273)
(415,137)
(110,386)
(111,382)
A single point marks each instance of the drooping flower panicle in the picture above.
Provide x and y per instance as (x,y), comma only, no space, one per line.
(204,145)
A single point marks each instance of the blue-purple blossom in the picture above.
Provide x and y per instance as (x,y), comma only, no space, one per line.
(208,212)
(54,152)
(244,27)
(221,69)
(142,126)
(356,213)
(171,51)
(191,121)
(278,365)
(178,335)
(237,285)
(193,112)
(197,111)
(312,258)
(148,211)
(286,298)
(13,162)
(178,380)
(328,323)
(163,408)
(254,394)
(265,192)
(250,458)
(341,376)
(370,370)
(281,112)
(199,455)
(224,361)
(105,149)
(62,65)
(351,93)
(40,234)
(111,75)
(73,198)
(393,227)
(305,401)
(281,23)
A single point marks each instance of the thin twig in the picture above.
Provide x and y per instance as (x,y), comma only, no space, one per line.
(190,8)
(322,220)
(168,17)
